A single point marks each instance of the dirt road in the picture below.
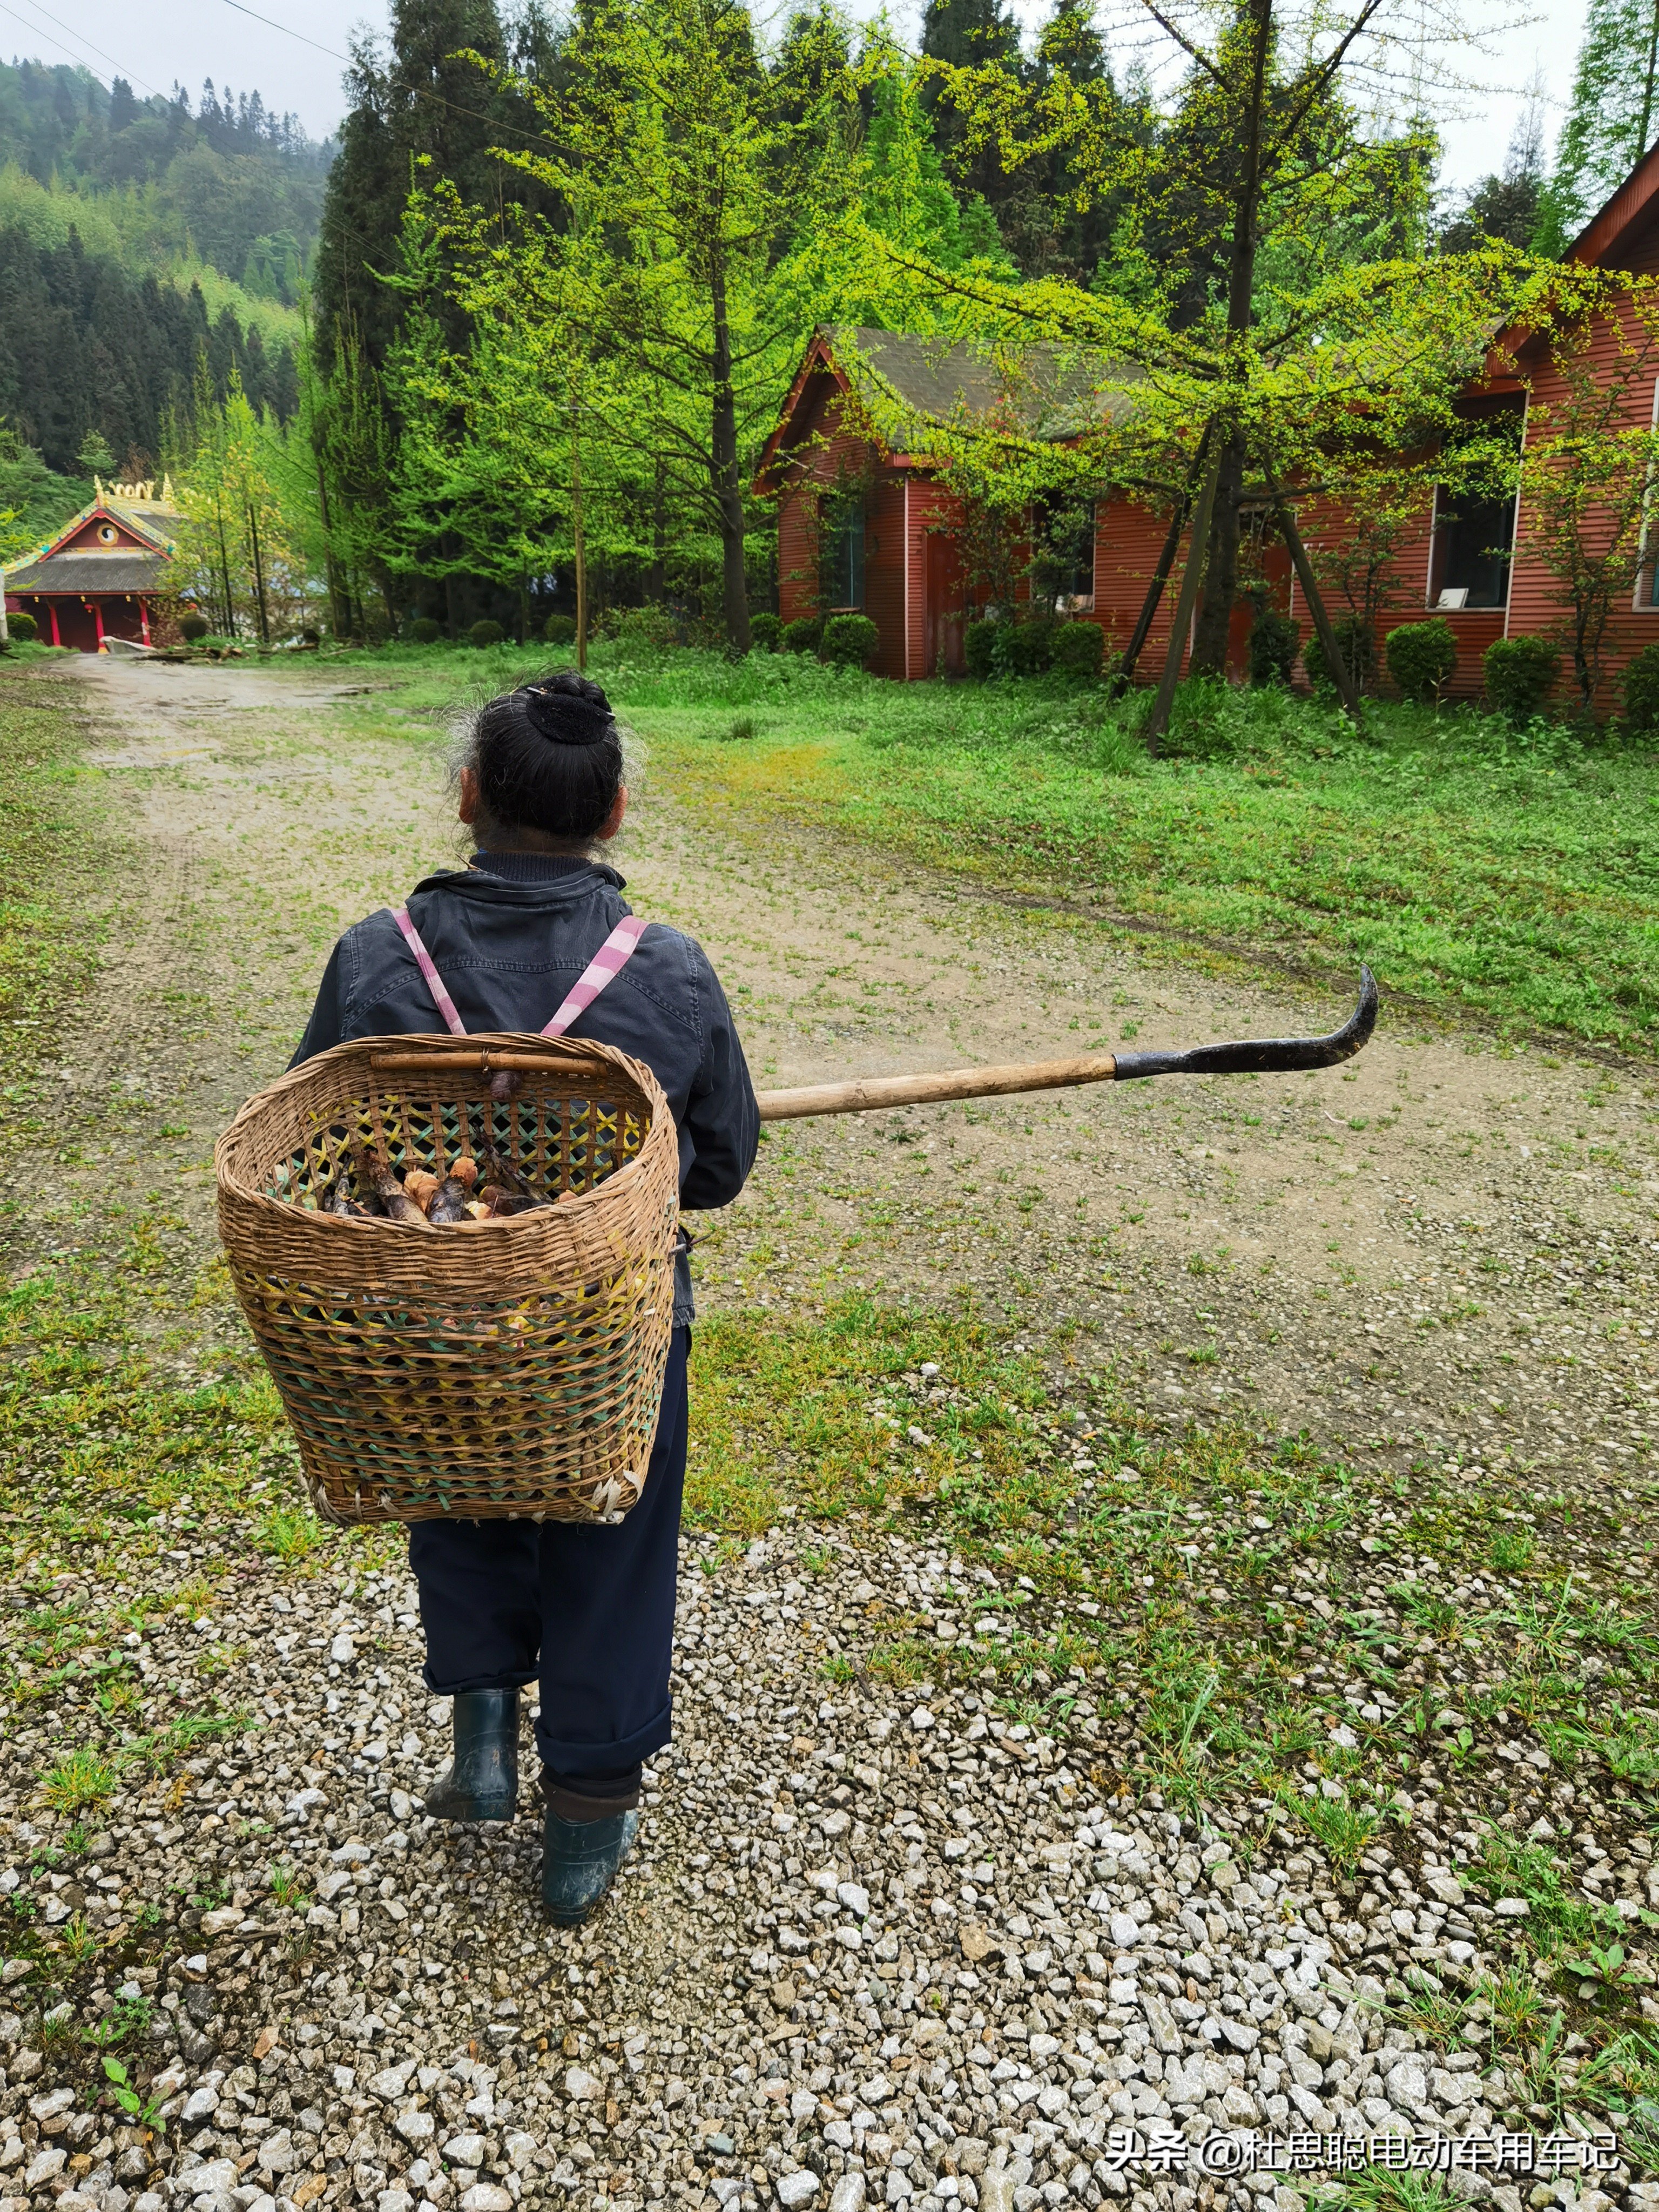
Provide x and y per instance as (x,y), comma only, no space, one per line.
(1448,1248)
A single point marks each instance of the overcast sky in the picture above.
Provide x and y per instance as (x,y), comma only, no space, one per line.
(162,40)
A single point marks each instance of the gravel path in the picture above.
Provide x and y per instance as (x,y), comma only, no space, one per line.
(882,1941)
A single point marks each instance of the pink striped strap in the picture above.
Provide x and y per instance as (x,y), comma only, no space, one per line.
(434,981)
(607,963)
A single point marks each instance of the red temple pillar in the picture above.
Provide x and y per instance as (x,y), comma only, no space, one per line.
(97,606)
(144,619)
(52,609)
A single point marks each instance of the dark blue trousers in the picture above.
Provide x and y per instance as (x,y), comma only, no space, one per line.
(588,1610)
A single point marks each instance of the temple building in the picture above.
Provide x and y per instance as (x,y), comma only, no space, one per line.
(101,575)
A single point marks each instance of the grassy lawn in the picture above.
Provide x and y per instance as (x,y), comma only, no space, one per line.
(1509,876)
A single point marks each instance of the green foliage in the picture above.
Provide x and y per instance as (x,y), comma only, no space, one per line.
(1356,641)
(1520,672)
(766,633)
(849,641)
(1078,648)
(1640,692)
(1610,117)
(1590,456)
(1273,638)
(23,628)
(559,630)
(423,630)
(1024,648)
(1421,658)
(486,632)
(979,648)
(804,635)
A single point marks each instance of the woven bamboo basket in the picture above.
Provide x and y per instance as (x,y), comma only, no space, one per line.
(491,1369)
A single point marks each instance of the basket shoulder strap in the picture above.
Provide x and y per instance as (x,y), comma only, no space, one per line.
(434,981)
(607,963)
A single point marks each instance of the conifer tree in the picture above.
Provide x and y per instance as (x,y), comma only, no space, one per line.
(1611,122)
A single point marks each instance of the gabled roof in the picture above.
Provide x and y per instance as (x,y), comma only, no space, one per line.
(1607,234)
(90,575)
(915,385)
(146,518)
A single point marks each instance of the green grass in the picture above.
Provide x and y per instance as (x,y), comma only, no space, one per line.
(1511,877)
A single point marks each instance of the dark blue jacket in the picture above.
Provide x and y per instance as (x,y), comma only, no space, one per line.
(509,936)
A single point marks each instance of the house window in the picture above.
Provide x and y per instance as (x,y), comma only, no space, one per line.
(1065,551)
(1473,540)
(841,554)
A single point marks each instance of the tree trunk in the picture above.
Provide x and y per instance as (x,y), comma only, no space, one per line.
(1341,674)
(1210,644)
(259,578)
(728,483)
(658,579)
(1124,674)
(452,618)
(224,570)
(578,537)
(1157,720)
(331,567)
(1220,567)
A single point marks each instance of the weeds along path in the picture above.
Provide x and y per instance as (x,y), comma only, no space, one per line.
(1166,1636)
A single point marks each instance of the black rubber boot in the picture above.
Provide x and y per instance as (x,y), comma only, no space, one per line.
(579,1861)
(482,1781)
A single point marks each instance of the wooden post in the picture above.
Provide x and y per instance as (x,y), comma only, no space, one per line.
(1124,674)
(1341,674)
(258,575)
(1157,720)
(576,531)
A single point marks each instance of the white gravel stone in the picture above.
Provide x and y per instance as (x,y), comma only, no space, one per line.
(797,2189)
(848,2195)
(486,2197)
(465,2150)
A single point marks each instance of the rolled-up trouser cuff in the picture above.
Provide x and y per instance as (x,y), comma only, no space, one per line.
(518,1678)
(579,1758)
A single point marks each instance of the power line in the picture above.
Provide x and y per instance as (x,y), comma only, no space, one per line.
(132,74)
(476,114)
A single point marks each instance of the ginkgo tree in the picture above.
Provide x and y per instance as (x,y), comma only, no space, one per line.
(1272,315)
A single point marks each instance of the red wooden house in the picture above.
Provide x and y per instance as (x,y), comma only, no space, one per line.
(100,576)
(864,522)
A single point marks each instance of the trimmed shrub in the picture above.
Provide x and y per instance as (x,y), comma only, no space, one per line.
(849,641)
(802,635)
(1421,658)
(424,631)
(1357,648)
(1639,690)
(1078,649)
(486,633)
(1519,673)
(22,629)
(765,633)
(559,630)
(1026,648)
(979,648)
(1273,640)
(191,626)
(650,629)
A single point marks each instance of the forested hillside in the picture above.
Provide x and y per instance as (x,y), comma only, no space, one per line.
(150,249)
(220,180)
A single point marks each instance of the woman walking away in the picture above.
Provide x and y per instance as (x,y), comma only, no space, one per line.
(500,945)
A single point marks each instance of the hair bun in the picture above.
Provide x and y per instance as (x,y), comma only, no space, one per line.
(569,710)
